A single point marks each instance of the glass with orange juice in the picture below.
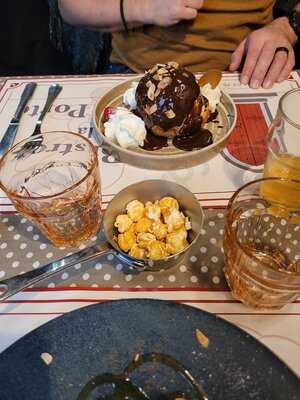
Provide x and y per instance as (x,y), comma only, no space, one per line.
(283,158)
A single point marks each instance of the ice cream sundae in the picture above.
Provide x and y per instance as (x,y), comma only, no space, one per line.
(166,107)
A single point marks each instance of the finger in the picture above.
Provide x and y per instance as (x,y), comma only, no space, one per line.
(252,54)
(275,69)
(237,56)
(285,73)
(262,65)
(189,13)
(196,4)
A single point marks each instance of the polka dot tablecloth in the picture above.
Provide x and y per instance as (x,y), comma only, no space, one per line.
(23,247)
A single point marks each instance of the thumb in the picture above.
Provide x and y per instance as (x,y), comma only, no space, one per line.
(237,56)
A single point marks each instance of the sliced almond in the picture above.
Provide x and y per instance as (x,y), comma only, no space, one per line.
(153,69)
(202,339)
(162,71)
(170,114)
(157,92)
(157,77)
(151,91)
(166,81)
(148,84)
(173,64)
(153,109)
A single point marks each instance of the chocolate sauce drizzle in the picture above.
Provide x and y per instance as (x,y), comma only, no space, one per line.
(124,389)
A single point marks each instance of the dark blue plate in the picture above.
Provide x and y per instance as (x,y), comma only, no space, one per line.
(104,338)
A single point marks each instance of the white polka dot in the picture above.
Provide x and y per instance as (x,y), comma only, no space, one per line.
(204,269)
(17,236)
(288,236)
(5,220)
(23,220)
(203,231)
(288,250)
(110,257)
(128,278)
(296,229)
(98,266)
(194,279)
(43,246)
(266,219)
(216,280)
(29,255)
(77,266)
(295,242)
(36,264)
(3,245)
(119,267)
(65,276)
(193,259)
(211,223)
(29,228)
(2,274)
(82,246)
(213,240)
(94,285)
(49,255)
(51,285)
(183,268)
(107,277)
(15,264)
(150,278)
(214,259)
(172,278)
(23,246)
(283,222)
(10,228)
(221,232)
(73,285)
(272,240)
(86,276)
(9,254)
(278,231)
(272,225)
(138,287)
(203,249)
(36,237)
(116,286)
(220,215)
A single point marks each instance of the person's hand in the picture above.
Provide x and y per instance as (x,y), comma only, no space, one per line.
(170,12)
(256,54)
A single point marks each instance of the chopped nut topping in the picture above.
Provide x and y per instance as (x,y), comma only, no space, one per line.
(202,339)
(173,64)
(152,109)
(170,114)
(166,81)
(157,77)
(148,84)
(151,92)
(162,71)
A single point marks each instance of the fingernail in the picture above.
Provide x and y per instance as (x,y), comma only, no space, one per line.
(244,80)
(267,85)
(254,84)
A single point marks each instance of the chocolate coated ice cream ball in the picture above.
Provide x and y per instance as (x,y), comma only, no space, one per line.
(166,96)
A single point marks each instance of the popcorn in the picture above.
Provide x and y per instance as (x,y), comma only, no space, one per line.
(123,223)
(177,241)
(154,230)
(168,203)
(159,229)
(143,225)
(157,250)
(174,219)
(137,252)
(135,210)
(144,239)
(153,211)
(126,240)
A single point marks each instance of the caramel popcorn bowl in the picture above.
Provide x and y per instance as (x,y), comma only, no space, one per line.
(170,157)
(145,191)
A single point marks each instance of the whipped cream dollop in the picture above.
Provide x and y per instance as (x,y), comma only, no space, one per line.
(125,128)
(129,96)
(213,95)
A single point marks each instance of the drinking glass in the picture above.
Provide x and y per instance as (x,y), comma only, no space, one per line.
(283,158)
(53,180)
(261,244)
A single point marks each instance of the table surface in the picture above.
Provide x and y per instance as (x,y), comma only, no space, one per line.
(199,279)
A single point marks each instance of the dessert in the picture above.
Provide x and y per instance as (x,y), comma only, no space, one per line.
(167,107)
(154,230)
